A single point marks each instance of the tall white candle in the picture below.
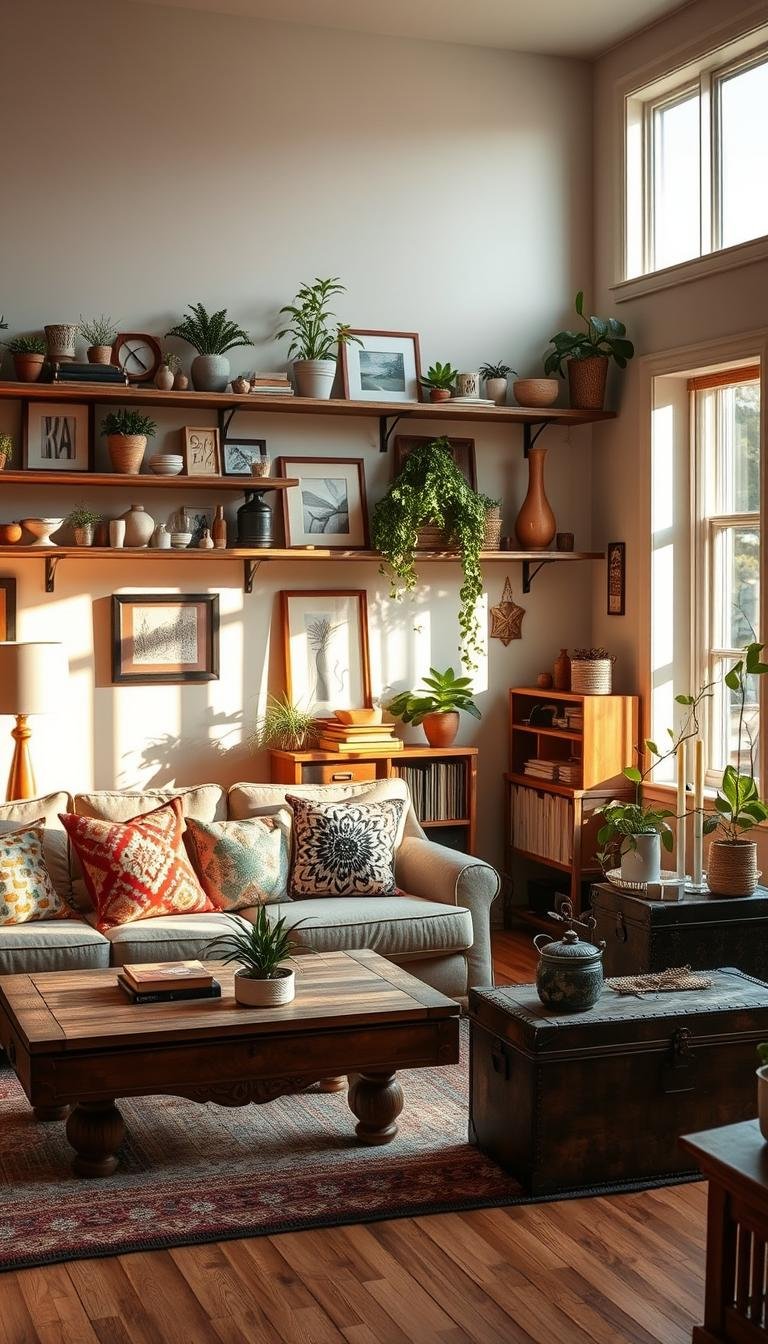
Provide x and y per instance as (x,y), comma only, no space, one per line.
(681,782)
(698,817)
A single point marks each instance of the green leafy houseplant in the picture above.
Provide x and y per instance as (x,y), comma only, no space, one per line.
(83,517)
(261,949)
(315,331)
(430,489)
(100,330)
(209,333)
(499,370)
(601,337)
(27,345)
(285,726)
(128,423)
(738,807)
(439,693)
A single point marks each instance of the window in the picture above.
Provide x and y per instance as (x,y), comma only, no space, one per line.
(697,160)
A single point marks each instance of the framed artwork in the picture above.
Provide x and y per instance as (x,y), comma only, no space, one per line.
(238,454)
(7,609)
(616,567)
(328,506)
(56,436)
(325,637)
(383,367)
(200,448)
(463,451)
(164,638)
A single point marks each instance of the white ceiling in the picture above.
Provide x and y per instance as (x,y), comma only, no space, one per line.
(556,27)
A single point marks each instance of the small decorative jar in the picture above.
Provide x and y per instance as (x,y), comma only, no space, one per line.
(254,521)
(569,976)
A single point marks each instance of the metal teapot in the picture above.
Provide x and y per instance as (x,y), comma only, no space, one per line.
(569,976)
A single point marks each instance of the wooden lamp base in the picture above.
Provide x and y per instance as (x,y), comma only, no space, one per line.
(21,780)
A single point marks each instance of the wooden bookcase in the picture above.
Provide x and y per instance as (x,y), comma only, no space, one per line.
(552,825)
(330,767)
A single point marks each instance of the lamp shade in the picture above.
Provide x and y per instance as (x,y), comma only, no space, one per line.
(32,677)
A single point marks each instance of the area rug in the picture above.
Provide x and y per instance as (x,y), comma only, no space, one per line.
(199,1173)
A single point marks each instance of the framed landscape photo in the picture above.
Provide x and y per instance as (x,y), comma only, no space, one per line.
(56,436)
(7,609)
(325,638)
(463,451)
(200,448)
(238,454)
(328,506)
(162,639)
(616,566)
(385,366)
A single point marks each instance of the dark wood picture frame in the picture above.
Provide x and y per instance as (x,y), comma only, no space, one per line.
(69,406)
(401,335)
(324,540)
(404,443)
(361,595)
(616,578)
(7,609)
(123,665)
(260,444)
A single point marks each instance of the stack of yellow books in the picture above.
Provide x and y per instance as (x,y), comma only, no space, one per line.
(364,738)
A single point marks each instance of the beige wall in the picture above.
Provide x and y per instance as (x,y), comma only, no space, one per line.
(165,157)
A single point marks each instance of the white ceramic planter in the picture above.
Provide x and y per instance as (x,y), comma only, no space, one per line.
(641,860)
(762,1099)
(253,993)
(496,389)
(210,373)
(314,377)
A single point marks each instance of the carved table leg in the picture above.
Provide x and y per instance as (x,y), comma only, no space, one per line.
(95,1129)
(50,1112)
(377,1100)
(333,1084)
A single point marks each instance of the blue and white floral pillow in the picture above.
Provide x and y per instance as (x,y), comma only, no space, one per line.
(344,848)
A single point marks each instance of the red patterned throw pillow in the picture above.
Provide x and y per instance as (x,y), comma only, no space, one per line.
(136,869)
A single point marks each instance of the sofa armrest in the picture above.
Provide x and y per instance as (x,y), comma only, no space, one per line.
(437,873)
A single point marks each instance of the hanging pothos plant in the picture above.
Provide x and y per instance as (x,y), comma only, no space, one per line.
(431,491)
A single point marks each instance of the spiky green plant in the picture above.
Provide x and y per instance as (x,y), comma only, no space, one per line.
(28,345)
(261,948)
(441,376)
(97,330)
(128,422)
(285,726)
(440,692)
(209,333)
(499,370)
(316,331)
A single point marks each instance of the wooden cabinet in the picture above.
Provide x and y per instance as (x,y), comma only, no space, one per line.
(443,783)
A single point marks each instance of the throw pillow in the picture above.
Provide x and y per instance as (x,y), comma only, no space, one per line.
(240,863)
(26,889)
(344,848)
(136,869)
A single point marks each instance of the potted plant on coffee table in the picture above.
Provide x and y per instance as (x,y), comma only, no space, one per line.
(28,356)
(436,705)
(127,433)
(83,521)
(316,336)
(284,726)
(212,335)
(496,378)
(99,334)
(262,949)
(586,355)
(440,380)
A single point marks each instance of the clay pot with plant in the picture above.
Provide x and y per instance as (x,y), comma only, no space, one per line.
(212,335)
(99,334)
(316,337)
(28,356)
(440,381)
(83,521)
(496,378)
(6,450)
(586,355)
(285,726)
(127,433)
(436,705)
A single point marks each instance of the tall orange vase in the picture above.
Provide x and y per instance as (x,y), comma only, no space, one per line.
(535,524)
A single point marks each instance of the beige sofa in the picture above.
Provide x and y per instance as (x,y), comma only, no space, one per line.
(439,930)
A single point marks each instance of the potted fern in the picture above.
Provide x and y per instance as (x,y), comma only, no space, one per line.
(284,726)
(586,355)
(316,335)
(127,433)
(436,705)
(212,335)
(262,949)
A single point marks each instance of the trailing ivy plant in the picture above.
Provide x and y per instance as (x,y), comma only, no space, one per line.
(431,490)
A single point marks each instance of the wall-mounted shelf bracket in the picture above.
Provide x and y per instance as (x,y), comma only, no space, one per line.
(386,430)
(225,418)
(529,573)
(530,435)
(52,563)
(250,568)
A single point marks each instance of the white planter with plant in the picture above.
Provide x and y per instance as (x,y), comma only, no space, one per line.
(127,433)
(316,336)
(496,378)
(212,335)
(436,705)
(83,521)
(284,726)
(99,334)
(261,949)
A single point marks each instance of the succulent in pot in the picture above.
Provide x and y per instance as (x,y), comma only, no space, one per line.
(83,520)
(262,949)
(436,705)
(212,335)
(586,355)
(496,378)
(440,380)
(6,450)
(99,334)
(28,356)
(285,726)
(127,433)
(316,336)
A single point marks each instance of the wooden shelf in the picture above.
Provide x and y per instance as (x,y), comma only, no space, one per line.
(540,858)
(446,821)
(548,732)
(85,479)
(412,753)
(548,785)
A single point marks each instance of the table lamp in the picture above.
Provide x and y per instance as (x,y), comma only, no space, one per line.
(32,678)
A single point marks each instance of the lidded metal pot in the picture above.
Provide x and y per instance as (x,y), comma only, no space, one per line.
(569,976)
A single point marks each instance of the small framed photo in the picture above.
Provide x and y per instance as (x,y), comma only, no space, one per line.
(56,436)
(200,448)
(325,637)
(328,506)
(463,451)
(616,566)
(238,454)
(162,639)
(383,367)
(7,609)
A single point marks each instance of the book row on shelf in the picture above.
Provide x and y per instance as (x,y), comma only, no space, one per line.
(438,789)
(561,772)
(541,823)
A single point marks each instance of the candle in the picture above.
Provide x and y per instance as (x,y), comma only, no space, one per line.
(681,782)
(698,816)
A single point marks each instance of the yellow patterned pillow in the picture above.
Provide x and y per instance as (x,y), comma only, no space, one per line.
(26,889)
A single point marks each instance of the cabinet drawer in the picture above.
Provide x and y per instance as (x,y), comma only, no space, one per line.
(345,772)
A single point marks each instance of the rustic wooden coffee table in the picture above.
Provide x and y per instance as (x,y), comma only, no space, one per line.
(74,1041)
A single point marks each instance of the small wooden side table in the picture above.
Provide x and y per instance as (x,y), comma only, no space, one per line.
(735,1161)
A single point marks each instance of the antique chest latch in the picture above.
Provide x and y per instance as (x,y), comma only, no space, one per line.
(621,927)
(680,1068)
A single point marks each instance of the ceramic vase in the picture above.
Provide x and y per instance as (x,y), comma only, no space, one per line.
(219,530)
(252,993)
(164,378)
(254,522)
(60,338)
(161,538)
(117,533)
(496,389)
(210,373)
(139,526)
(314,377)
(468,385)
(28,367)
(535,524)
(180,382)
(641,858)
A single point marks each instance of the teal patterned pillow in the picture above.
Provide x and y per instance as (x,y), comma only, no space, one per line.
(241,863)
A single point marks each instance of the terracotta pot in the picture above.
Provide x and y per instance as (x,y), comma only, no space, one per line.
(586,382)
(732,868)
(99,354)
(139,526)
(253,993)
(536,391)
(28,367)
(126,452)
(10,533)
(439,394)
(440,728)
(164,378)
(535,524)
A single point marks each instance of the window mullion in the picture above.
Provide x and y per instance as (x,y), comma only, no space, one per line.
(710,229)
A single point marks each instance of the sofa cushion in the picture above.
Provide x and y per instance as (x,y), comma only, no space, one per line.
(167,938)
(396,926)
(26,890)
(52,945)
(253,800)
(55,842)
(346,848)
(241,863)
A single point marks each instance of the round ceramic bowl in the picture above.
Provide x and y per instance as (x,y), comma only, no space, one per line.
(180,540)
(536,391)
(166,464)
(41,529)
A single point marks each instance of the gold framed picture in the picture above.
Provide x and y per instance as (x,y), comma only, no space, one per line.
(200,449)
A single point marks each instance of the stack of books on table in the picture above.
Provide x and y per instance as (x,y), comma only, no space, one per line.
(166,981)
(271,385)
(540,769)
(365,738)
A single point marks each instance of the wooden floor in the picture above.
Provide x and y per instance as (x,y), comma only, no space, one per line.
(625,1270)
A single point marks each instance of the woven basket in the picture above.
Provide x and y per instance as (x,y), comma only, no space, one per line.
(592,676)
(492,538)
(732,869)
(126,453)
(437,539)
(586,382)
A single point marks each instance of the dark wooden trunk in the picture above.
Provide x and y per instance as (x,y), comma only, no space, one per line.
(698,931)
(574,1101)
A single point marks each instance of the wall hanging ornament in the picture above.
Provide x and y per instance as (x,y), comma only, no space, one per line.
(507,617)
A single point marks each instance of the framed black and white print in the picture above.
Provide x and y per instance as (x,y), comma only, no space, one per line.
(325,638)
(381,366)
(616,566)
(161,639)
(327,507)
(238,454)
(56,436)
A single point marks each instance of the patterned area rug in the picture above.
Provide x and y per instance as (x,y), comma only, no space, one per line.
(195,1173)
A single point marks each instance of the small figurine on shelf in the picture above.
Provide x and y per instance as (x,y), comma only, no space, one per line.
(206,541)
(241,384)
